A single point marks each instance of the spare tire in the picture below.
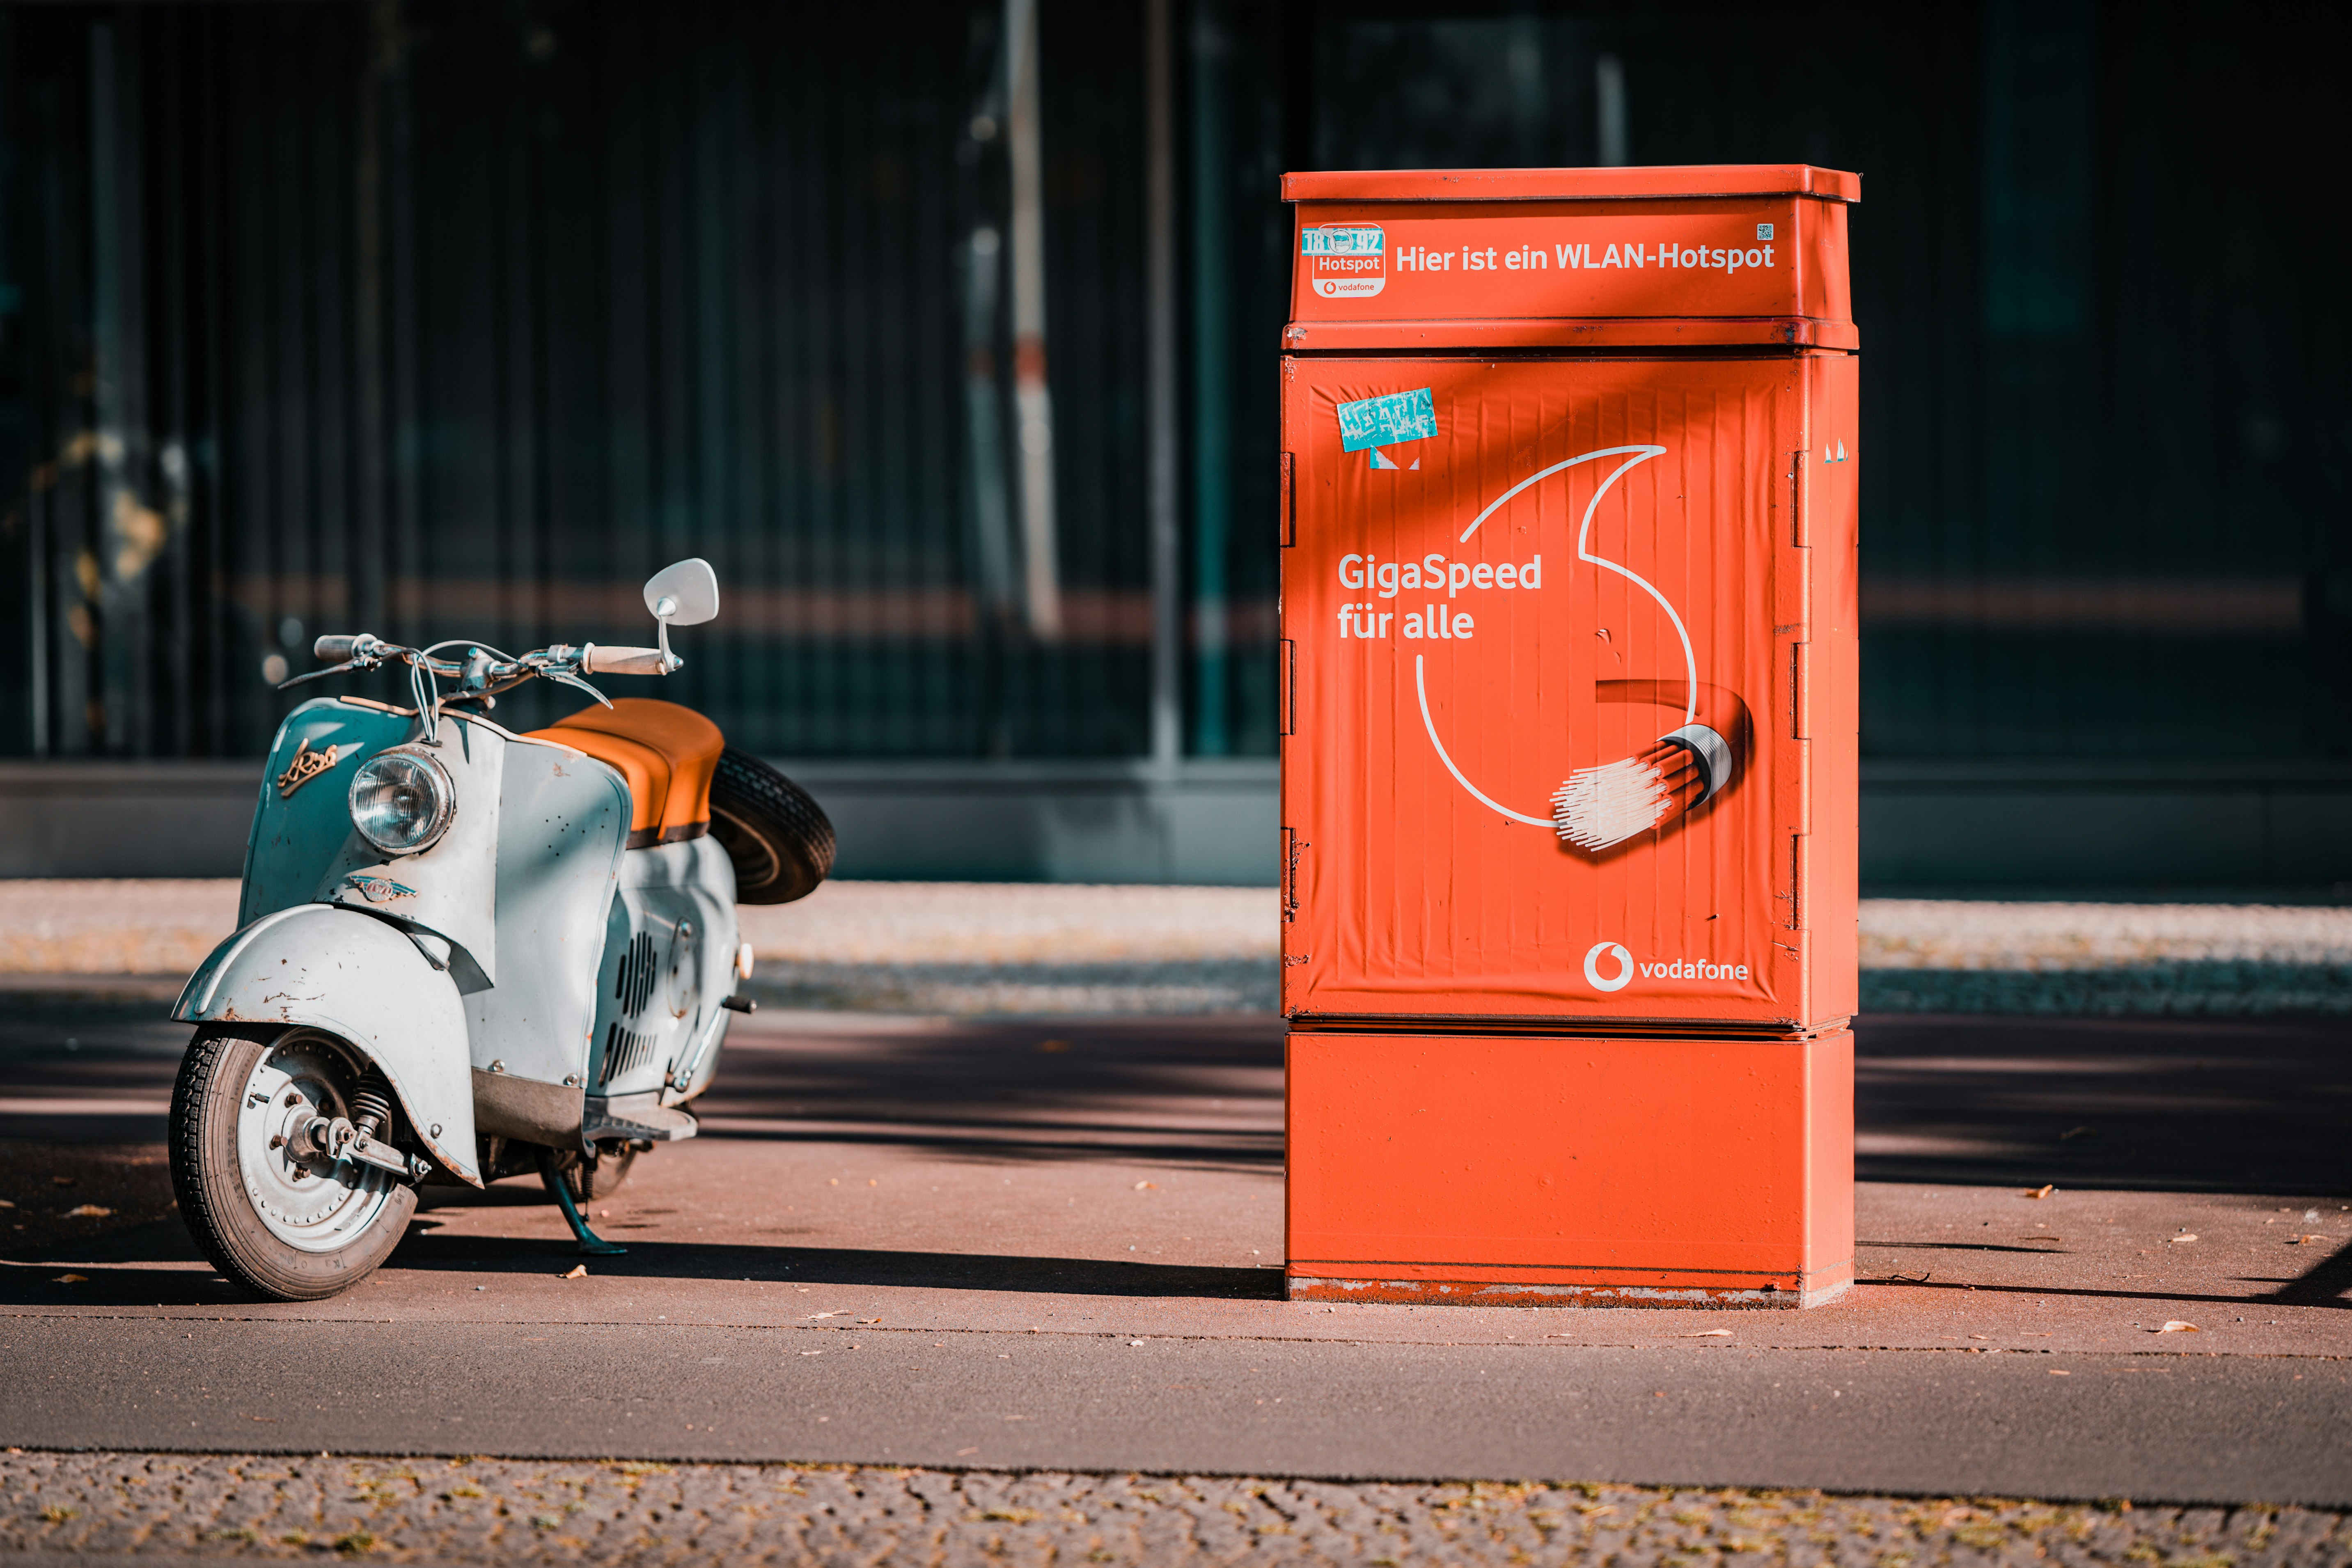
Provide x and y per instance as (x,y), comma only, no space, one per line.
(777,836)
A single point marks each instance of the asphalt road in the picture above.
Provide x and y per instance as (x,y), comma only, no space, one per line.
(2218,1428)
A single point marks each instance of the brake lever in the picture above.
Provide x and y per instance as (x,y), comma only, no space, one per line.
(575,680)
(344,667)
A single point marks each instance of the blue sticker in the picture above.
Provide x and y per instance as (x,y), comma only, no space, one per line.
(1385,421)
(1343,240)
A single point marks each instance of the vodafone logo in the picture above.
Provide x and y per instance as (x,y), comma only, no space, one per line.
(1612,956)
(1615,953)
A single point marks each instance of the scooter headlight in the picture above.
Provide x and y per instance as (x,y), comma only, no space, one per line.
(402,802)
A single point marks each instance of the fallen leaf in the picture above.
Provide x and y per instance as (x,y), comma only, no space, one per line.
(812,1352)
(871,1182)
(2041,1192)
(1919,1278)
(1144,1186)
(73,1278)
(1979,1336)
(2174,1326)
(68,1181)
(813,1317)
(2055,1373)
(1702,1334)
(579,1272)
(877,1320)
(2179,1240)
(88,1211)
(2306,1241)
(1049,1047)
(1135,1343)
(2077,1133)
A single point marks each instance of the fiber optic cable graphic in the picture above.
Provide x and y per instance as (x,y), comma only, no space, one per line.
(1599,806)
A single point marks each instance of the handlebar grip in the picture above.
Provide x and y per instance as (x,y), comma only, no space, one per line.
(602,661)
(334,649)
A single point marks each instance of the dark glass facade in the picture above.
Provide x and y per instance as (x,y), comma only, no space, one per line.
(448,318)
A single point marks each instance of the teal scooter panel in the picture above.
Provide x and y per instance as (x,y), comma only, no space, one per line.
(304,819)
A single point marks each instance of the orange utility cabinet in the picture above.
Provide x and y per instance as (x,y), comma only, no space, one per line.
(1568,704)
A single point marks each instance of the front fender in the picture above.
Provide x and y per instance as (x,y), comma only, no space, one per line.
(363,980)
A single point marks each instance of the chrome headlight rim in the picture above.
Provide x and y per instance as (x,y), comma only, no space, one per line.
(442,787)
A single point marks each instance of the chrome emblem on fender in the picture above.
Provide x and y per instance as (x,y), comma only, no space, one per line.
(305,765)
(375,889)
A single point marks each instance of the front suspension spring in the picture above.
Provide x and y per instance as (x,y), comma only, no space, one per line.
(371,1105)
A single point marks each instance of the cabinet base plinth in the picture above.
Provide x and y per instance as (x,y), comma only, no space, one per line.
(1542,1170)
(1454,1293)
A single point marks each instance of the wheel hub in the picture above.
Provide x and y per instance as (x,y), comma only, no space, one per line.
(306,1198)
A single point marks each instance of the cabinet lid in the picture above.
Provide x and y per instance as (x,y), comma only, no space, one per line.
(1645,183)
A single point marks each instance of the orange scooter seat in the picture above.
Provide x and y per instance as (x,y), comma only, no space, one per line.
(667,752)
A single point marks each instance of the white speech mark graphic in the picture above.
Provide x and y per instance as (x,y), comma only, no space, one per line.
(1625,966)
(1635,457)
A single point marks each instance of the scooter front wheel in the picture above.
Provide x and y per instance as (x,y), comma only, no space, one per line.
(284,1228)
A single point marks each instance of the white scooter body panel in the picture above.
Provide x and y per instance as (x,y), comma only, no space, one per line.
(669,958)
(563,820)
(363,980)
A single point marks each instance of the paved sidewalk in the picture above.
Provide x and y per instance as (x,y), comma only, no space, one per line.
(1056,1247)
(959,1237)
(98,1508)
(967,949)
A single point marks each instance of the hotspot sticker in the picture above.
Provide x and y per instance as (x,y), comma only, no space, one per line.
(1346,260)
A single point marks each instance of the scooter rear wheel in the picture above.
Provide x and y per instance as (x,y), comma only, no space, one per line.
(282,1228)
(775,833)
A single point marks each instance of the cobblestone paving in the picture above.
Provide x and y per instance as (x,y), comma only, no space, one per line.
(460,1511)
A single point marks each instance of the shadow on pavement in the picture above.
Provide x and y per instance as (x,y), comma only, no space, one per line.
(1200,1093)
(655,1259)
(2246,1105)
(146,1267)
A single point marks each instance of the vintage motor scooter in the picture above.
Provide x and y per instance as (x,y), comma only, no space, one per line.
(463,953)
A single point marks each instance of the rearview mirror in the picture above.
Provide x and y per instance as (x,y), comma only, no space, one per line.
(684,593)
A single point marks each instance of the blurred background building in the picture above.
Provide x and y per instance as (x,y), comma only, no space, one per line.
(948,332)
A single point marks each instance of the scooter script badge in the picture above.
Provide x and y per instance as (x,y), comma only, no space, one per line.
(376,889)
(305,765)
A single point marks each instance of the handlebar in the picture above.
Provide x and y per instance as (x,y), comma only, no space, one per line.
(599,660)
(481,675)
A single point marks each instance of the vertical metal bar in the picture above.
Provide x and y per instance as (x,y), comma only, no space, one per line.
(1213,392)
(128,531)
(1608,104)
(1033,401)
(1160,394)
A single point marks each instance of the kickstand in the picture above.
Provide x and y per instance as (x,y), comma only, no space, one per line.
(590,1245)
